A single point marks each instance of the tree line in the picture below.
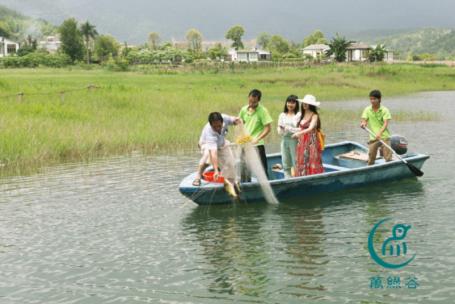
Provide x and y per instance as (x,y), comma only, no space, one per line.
(81,42)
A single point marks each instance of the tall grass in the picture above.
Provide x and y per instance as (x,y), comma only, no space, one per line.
(157,112)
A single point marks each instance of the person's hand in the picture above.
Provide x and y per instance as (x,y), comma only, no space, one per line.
(216,174)
(295,135)
(378,136)
(254,141)
(237,121)
(363,124)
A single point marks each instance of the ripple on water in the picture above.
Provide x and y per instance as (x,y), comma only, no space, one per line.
(117,230)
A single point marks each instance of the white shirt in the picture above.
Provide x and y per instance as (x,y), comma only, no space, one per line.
(212,140)
(289,122)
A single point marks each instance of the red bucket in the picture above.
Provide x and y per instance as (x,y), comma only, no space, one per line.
(208,176)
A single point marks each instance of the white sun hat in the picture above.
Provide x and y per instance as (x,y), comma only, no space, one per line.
(311,100)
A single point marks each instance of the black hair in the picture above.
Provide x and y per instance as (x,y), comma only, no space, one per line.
(314,110)
(292,98)
(255,93)
(215,116)
(376,93)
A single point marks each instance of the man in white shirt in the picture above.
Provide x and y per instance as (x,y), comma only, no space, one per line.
(215,148)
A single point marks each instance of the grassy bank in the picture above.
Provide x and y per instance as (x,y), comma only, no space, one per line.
(164,111)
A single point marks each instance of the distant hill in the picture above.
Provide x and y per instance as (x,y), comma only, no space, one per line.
(17,27)
(440,42)
(133,20)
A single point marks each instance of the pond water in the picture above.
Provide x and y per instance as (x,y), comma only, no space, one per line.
(118,231)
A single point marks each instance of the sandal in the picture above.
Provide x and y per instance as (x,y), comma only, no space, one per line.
(197,182)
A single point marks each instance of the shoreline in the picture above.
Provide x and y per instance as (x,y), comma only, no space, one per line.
(155,113)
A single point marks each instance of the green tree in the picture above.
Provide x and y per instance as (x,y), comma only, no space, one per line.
(338,47)
(235,34)
(218,52)
(377,54)
(194,38)
(278,45)
(4,32)
(28,46)
(105,47)
(154,40)
(125,50)
(317,37)
(46,28)
(71,38)
(89,33)
(263,40)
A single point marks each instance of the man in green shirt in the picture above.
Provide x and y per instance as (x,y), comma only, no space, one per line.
(377,118)
(257,122)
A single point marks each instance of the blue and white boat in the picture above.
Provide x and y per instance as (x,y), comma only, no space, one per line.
(340,173)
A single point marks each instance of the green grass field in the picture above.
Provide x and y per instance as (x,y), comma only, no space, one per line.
(161,111)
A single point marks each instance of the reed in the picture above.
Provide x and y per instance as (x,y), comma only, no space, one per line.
(156,112)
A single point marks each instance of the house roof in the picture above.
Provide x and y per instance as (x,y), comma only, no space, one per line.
(358,46)
(316,47)
(5,40)
(253,51)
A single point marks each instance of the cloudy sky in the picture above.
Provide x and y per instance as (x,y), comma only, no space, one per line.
(132,20)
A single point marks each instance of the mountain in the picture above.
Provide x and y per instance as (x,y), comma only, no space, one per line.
(16,26)
(440,42)
(132,20)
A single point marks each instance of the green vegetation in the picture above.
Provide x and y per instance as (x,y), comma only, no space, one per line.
(15,26)
(89,33)
(72,41)
(338,46)
(235,34)
(437,44)
(161,111)
(317,37)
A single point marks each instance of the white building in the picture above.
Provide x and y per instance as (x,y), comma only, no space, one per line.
(50,44)
(249,55)
(357,52)
(8,47)
(317,51)
(388,55)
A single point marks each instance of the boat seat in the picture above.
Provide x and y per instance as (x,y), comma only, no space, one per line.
(334,168)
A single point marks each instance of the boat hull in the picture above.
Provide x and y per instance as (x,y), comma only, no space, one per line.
(339,175)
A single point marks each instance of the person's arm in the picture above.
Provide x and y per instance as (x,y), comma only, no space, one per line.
(266,120)
(267,129)
(386,117)
(281,127)
(384,126)
(231,120)
(313,124)
(214,160)
(296,128)
(364,121)
(292,130)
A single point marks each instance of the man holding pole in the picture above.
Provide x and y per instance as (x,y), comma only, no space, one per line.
(376,117)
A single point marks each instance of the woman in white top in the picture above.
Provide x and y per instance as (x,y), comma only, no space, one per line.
(287,124)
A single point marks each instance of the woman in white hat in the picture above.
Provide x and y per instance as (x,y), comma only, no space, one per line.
(308,153)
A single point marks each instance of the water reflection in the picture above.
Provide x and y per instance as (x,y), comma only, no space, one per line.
(232,242)
(302,232)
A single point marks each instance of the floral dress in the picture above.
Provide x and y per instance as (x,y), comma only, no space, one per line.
(308,152)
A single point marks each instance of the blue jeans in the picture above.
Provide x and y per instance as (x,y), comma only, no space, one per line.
(288,147)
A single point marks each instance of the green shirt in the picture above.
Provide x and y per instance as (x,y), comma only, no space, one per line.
(255,121)
(376,120)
